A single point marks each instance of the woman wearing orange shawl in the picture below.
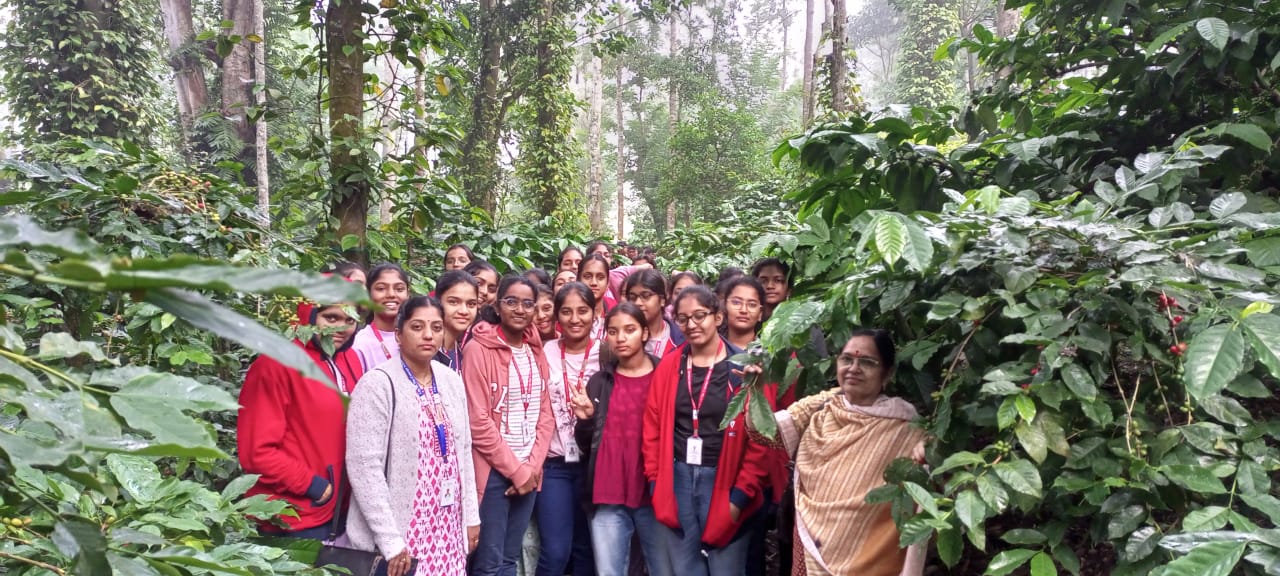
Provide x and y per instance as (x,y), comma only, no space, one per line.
(842,440)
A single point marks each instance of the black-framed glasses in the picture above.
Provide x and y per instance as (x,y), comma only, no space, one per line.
(696,317)
(513,303)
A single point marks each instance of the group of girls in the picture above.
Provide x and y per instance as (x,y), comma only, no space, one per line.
(590,399)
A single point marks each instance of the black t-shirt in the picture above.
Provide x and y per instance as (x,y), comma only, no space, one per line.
(710,414)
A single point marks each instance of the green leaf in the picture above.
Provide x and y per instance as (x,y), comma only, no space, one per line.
(1166,36)
(1020,476)
(993,493)
(1008,412)
(1032,440)
(918,250)
(21,231)
(1250,134)
(1079,382)
(1264,503)
(238,486)
(1215,31)
(1042,565)
(1207,518)
(61,345)
(1055,437)
(1194,478)
(761,415)
(958,460)
(137,476)
(208,315)
(1026,407)
(890,237)
(950,546)
(1213,359)
(1263,331)
(83,541)
(922,498)
(1125,521)
(1227,204)
(154,403)
(971,510)
(1024,537)
(1209,559)
(1008,561)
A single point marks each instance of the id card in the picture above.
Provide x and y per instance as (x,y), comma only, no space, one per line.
(571,454)
(448,496)
(693,451)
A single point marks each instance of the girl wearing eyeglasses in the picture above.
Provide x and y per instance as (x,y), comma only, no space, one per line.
(647,289)
(708,484)
(574,359)
(744,301)
(460,298)
(506,376)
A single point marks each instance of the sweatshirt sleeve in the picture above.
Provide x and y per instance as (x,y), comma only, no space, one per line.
(265,403)
(619,275)
(368,424)
(651,448)
(486,439)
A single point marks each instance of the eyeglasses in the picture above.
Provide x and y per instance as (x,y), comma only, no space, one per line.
(696,317)
(513,303)
(750,305)
(640,295)
(864,362)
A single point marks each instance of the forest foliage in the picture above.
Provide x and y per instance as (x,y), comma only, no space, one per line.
(1078,259)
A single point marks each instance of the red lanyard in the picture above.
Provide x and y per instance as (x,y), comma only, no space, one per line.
(378,334)
(706,382)
(582,371)
(526,394)
(337,375)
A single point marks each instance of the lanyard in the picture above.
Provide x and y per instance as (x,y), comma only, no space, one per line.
(706,381)
(582,371)
(526,394)
(436,412)
(378,334)
(337,375)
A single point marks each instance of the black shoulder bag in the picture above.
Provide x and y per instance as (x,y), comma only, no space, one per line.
(361,562)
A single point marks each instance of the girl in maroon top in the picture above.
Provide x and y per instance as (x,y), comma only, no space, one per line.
(610,413)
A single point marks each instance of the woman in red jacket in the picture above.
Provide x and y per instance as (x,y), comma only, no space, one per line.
(290,431)
(707,483)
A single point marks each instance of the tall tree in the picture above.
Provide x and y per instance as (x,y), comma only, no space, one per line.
(261,172)
(238,78)
(621,177)
(81,68)
(545,163)
(806,63)
(922,80)
(673,103)
(348,163)
(595,171)
(188,71)
(839,62)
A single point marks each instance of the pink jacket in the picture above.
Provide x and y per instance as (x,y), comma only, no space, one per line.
(486,360)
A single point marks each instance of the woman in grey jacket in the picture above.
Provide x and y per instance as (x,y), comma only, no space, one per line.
(408,455)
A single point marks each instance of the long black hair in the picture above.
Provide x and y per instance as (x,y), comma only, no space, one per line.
(453,278)
(383,268)
(475,267)
(647,278)
(582,290)
(490,312)
(700,294)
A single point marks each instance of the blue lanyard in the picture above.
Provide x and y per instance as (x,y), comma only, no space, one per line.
(437,412)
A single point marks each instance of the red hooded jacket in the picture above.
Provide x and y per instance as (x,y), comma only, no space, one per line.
(744,464)
(291,431)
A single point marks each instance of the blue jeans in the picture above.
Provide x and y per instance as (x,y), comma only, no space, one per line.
(562,522)
(693,491)
(503,520)
(611,530)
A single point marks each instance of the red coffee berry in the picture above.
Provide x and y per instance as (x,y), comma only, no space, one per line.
(1177,319)
(1035,371)
(1182,347)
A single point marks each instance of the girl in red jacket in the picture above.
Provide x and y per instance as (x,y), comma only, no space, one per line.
(291,429)
(707,483)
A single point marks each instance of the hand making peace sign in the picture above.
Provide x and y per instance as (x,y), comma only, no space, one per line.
(582,405)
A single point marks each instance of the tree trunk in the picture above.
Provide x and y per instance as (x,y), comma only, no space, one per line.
(193,94)
(237,78)
(344,24)
(480,146)
(786,44)
(839,65)
(806,114)
(260,99)
(622,158)
(595,172)
(1006,22)
(673,105)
